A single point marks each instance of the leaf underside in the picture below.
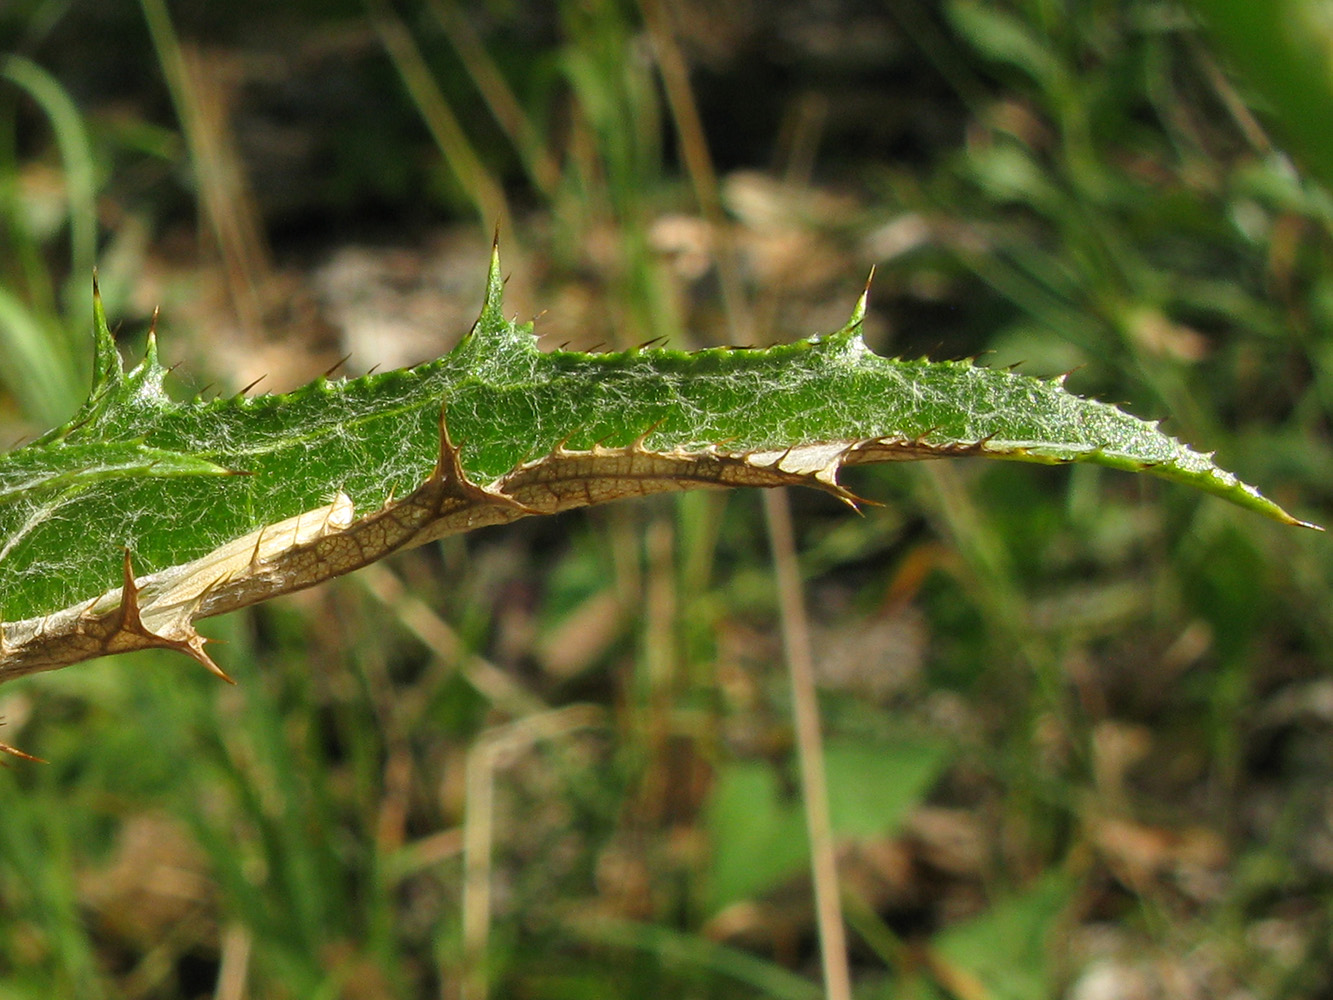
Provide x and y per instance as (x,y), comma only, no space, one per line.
(142,514)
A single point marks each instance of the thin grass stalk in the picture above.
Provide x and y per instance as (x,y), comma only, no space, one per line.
(443,641)
(478,837)
(795,627)
(495,749)
(234,965)
(699,164)
(659,664)
(810,748)
(542,166)
(46,369)
(76,156)
(197,93)
(486,195)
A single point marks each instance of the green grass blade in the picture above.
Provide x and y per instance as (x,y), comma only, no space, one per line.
(692,952)
(1282,48)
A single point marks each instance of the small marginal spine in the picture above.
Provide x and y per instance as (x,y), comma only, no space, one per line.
(131,623)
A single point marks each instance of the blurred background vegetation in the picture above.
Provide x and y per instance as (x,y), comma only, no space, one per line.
(1079,724)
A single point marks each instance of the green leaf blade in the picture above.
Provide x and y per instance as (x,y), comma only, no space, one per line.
(177,483)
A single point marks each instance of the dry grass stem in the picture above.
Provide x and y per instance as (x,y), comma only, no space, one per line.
(810,748)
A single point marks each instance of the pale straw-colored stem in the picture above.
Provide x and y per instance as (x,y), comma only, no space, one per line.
(810,748)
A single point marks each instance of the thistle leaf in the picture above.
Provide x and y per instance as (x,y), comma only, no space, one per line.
(142,514)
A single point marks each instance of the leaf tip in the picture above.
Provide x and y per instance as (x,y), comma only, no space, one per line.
(495,285)
(107,368)
(150,351)
(859,310)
